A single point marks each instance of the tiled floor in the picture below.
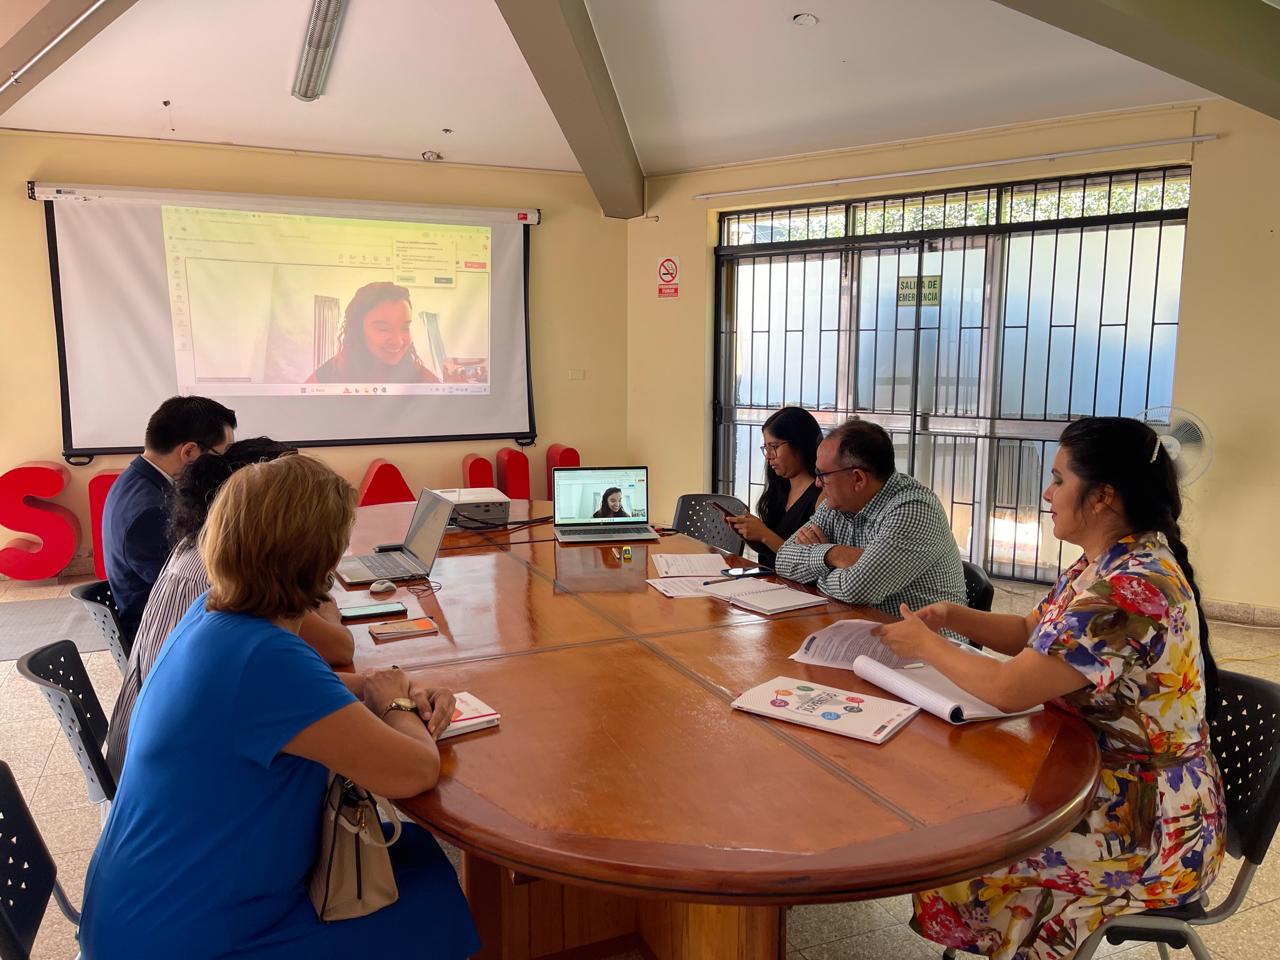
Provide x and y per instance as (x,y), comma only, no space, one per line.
(33,745)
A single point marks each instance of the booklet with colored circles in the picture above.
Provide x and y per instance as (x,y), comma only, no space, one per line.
(826,708)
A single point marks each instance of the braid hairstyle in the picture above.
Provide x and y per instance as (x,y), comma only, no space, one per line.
(1128,456)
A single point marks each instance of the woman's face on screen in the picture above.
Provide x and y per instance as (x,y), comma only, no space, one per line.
(386,331)
(615,501)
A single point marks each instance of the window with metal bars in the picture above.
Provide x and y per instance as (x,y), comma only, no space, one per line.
(970,323)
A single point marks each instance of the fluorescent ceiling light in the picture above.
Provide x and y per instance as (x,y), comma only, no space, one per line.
(317,48)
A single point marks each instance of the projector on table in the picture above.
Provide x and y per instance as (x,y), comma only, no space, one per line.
(477,507)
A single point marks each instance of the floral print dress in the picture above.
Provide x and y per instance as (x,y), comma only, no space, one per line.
(1154,834)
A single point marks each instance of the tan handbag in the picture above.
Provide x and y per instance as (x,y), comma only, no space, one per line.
(353,875)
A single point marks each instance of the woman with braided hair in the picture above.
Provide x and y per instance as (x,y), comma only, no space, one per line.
(1120,641)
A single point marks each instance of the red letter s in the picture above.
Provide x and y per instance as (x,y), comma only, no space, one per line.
(56,526)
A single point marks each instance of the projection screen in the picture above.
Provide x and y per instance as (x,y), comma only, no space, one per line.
(320,322)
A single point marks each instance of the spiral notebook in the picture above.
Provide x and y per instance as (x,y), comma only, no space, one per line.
(761,596)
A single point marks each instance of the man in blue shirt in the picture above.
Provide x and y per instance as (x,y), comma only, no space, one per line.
(134,543)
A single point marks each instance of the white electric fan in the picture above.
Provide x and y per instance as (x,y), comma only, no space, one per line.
(1185,437)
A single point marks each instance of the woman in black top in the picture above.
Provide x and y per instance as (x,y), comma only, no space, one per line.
(791,438)
(611,504)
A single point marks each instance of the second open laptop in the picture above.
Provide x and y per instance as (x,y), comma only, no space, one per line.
(601,504)
(416,555)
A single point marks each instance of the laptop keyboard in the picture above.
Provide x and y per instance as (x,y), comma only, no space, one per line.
(611,530)
(389,565)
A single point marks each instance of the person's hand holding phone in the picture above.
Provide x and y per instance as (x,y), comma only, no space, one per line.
(748,526)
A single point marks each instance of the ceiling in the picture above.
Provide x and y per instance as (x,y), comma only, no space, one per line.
(732,80)
(699,83)
(402,71)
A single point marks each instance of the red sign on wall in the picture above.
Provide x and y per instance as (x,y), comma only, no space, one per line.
(668,278)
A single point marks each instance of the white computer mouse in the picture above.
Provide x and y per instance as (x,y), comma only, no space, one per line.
(382,586)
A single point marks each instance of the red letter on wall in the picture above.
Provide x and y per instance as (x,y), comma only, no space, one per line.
(559,455)
(56,526)
(476,471)
(513,473)
(99,487)
(384,483)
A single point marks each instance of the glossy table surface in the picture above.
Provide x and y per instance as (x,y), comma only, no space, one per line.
(620,765)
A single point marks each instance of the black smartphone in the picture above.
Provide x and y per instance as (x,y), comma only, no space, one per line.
(372,610)
(747,571)
(722,508)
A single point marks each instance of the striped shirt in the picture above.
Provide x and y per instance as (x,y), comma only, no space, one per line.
(909,553)
(182,580)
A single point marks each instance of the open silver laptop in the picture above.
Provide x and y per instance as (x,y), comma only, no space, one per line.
(601,504)
(416,555)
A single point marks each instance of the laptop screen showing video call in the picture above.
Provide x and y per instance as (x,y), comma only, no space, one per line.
(608,495)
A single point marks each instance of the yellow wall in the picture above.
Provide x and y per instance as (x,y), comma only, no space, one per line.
(594,288)
(1227,343)
(577,288)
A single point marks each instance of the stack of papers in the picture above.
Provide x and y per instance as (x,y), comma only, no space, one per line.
(679,588)
(689,564)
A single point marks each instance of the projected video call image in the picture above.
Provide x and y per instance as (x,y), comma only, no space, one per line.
(276,304)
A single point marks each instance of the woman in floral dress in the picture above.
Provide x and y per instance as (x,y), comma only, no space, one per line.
(1121,642)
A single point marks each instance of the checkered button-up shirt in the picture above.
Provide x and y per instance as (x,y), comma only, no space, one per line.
(909,554)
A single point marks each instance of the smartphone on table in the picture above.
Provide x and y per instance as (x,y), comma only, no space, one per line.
(747,572)
(391,609)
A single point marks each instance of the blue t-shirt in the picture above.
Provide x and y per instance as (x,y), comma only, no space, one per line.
(214,831)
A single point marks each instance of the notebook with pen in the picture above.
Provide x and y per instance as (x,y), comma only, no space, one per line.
(761,596)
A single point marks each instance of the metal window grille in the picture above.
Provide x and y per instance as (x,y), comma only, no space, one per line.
(970,323)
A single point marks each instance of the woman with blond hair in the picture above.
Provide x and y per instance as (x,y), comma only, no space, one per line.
(216,821)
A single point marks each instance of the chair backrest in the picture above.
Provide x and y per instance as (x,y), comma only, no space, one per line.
(97,599)
(977,587)
(1246,740)
(695,517)
(27,872)
(60,673)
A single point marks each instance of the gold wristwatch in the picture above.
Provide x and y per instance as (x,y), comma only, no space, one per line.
(400,703)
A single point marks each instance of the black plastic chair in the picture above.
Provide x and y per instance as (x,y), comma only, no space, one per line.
(977,587)
(97,599)
(1246,741)
(695,517)
(61,676)
(28,875)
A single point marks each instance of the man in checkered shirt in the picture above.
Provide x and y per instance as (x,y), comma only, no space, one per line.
(882,537)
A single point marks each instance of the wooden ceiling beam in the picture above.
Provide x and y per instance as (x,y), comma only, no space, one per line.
(560,46)
(1228,47)
(66,24)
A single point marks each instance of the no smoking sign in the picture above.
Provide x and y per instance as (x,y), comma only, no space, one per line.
(668,278)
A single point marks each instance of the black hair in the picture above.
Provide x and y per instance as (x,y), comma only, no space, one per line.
(351,339)
(1128,456)
(604,510)
(193,491)
(182,420)
(867,446)
(800,431)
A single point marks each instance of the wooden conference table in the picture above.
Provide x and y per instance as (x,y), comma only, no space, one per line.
(622,802)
